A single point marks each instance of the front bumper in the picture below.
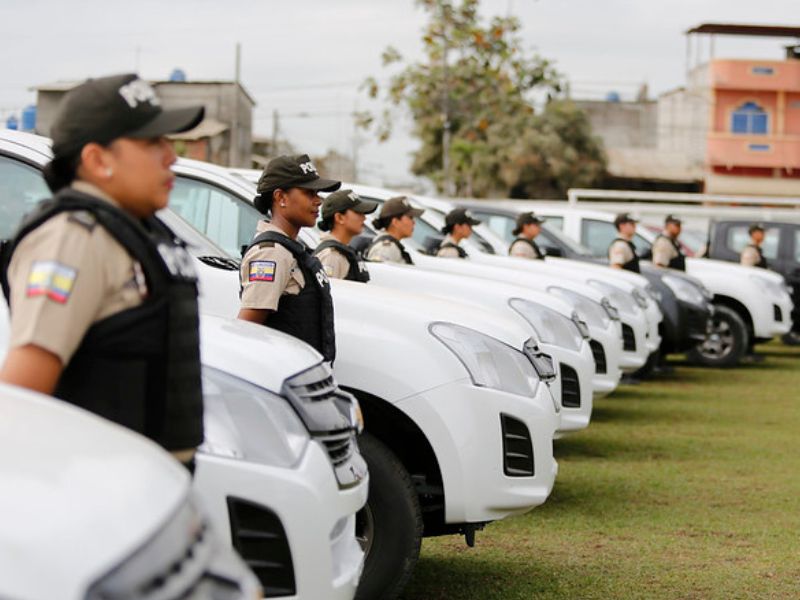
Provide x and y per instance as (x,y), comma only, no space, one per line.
(576,377)
(609,342)
(318,518)
(775,317)
(634,359)
(462,422)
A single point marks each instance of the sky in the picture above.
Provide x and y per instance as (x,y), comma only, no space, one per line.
(307,59)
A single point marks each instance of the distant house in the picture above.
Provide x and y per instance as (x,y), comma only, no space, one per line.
(224,137)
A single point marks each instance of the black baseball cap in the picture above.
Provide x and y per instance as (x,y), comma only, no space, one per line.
(526,218)
(397,207)
(756,227)
(106,108)
(460,216)
(284,172)
(344,200)
(624,218)
(672,219)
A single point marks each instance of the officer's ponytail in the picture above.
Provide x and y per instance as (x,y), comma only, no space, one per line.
(263,202)
(380,223)
(326,224)
(61,171)
(447,229)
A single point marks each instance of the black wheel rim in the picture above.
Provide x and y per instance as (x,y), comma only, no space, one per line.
(720,340)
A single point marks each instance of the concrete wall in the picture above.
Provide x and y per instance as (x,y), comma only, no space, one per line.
(623,124)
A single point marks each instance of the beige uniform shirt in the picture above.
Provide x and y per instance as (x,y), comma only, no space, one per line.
(333,261)
(65,276)
(749,257)
(619,253)
(386,251)
(268,272)
(522,249)
(663,251)
(448,252)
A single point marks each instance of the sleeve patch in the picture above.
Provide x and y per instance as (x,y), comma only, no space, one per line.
(51,279)
(262,270)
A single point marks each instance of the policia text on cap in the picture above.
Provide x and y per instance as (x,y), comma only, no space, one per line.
(103,296)
(283,285)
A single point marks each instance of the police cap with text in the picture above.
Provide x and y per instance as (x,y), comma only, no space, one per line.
(106,108)
(284,172)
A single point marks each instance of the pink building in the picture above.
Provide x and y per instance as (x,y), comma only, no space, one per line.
(752,111)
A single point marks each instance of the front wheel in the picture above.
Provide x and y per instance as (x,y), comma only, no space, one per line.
(725,343)
(389,527)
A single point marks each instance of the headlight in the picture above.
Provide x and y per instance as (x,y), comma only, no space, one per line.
(641,298)
(684,290)
(550,326)
(592,312)
(653,293)
(489,362)
(773,288)
(246,422)
(616,297)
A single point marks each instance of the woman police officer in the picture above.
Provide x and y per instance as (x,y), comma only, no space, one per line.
(458,224)
(283,285)
(343,214)
(103,297)
(397,218)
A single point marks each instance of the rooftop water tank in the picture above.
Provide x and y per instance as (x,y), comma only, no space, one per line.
(177,75)
(12,122)
(29,118)
(612,97)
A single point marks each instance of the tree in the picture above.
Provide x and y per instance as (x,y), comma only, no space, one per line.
(477,85)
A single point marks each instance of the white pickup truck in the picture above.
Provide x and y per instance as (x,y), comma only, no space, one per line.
(453,440)
(750,304)
(79,517)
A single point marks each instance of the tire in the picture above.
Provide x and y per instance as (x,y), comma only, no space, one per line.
(647,369)
(389,527)
(726,344)
(791,339)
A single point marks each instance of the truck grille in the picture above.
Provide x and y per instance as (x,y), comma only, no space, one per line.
(260,539)
(517,448)
(339,447)
(628,338)
(599,355)
(570,387)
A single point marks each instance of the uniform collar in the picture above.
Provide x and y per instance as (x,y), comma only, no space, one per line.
(449,240)
(263,226)
(326,236)
(85,187)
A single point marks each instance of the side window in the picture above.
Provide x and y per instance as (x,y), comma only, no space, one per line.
(643,249)
(556,223)
(229,221)
(737,238)
(796,247)
(597,235)
(502,225)
(423,231)
(749,118)
(22,189)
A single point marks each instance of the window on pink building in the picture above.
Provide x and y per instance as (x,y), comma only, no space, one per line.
(750,118)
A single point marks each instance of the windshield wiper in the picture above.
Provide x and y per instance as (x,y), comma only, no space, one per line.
(220,262)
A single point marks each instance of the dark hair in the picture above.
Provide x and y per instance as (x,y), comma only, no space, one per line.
(384,222)
(326,224)
(263,201)
(447,229)
(61,171)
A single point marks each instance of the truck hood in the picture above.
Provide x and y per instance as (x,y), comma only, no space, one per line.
(78,494)
(697,266)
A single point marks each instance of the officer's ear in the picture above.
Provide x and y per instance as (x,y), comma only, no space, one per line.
(95,164)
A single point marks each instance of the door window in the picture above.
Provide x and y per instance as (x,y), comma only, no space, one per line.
(737,238)
(228,220)
(22,189)
(796,244)
(597,235)
(502,225)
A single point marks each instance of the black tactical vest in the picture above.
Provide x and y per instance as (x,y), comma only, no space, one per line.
(307,315)
(762,261)
(139,367)
(531,243)
(358,268)
(632,264)
(384,237)
(461,252)
(676,262)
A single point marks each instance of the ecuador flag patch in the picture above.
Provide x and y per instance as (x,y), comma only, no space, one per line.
(51,279)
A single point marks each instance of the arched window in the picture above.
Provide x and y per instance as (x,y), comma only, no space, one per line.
(749,118)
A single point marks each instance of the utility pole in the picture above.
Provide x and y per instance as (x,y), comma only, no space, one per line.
(233,158)
(356,142)
(445,103)
(275,129)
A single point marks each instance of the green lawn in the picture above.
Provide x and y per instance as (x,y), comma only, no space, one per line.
(683,487)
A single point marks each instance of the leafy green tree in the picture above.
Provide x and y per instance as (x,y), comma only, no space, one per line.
(477,84)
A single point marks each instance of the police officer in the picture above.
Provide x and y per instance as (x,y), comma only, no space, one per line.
(622,252)
(528,227)
(343,215)
(283,285)
(666,249)
(103,296)
(397,219)
(751,255)
(458,225)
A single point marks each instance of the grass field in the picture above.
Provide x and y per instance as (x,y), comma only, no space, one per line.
(682,487)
